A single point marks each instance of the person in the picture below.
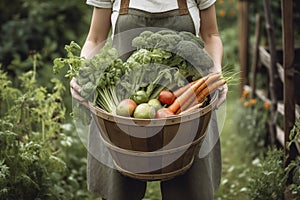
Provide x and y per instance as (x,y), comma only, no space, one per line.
(196,16)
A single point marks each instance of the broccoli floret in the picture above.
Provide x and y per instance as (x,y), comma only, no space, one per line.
(154,40)
(87,89)
(164,39)
(191,37)
(170,42)
(187,49)
(146,34)
(194,55)
(167,32)
(139,42)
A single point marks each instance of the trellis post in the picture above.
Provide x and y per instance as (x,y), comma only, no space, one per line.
(243,25)
(288,65)
(271,70)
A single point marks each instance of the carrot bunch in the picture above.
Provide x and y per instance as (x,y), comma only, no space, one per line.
(192,95)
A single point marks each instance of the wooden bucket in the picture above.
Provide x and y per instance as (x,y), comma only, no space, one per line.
(153,149)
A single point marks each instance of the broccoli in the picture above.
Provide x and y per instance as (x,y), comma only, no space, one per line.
(191,37)
(167,32)
(164,39)
(139,42)
(154,40)
(194,55)
(146,34)
(171,42)
(188,50)
(175,49)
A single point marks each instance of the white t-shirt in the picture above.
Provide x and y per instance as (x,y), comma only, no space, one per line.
(154,6)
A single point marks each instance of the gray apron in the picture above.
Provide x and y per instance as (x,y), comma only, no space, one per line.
(203,178)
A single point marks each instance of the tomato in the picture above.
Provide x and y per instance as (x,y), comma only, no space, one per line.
(144,111)
(166,97)
(126,107)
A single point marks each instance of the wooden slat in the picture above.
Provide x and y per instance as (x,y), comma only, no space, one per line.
(297,111)
(288,60)
(243,42)
(280,135)
(265,59)
(255,54)
(280,71)
(264,56)
(280,108)
(259,93)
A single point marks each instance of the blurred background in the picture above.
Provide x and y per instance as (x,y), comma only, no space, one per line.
(41,154)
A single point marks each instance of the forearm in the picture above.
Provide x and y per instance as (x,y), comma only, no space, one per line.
(214,47)
(90,48)
(98,33)
(210,35)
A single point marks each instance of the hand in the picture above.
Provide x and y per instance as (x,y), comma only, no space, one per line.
(75,90)
(223,90)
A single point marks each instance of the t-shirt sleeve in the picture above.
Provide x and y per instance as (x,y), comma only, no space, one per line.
(203,4)
(100,3)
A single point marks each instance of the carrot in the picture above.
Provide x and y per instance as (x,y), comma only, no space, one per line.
(163,112)
(192,108)
(182,89)
(202,87)
(211,78)
(186,95)
(212,87)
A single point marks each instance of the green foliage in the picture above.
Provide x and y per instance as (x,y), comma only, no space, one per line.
(28,128)
(32,27)
(268,174)
(294,166)
(235,158)
(230,48)
(268,177)
(96,76)
(42,26)
(276,15)
(227,13)
(252,124)
(33,147)
(73,60)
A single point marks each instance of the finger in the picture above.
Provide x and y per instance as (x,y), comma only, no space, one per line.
(76,95)
(221,100)
(74,85)
(222,97)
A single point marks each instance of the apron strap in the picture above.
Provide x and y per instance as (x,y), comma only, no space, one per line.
(182,6)
(124,7)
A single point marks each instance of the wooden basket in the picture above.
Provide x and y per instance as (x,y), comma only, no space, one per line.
(153,149)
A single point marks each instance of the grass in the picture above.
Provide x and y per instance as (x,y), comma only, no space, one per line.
(235,161)
(153,191)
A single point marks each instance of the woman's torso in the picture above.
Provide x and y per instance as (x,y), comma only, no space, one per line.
(159,6)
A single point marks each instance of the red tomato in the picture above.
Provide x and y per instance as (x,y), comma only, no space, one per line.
(166,97)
